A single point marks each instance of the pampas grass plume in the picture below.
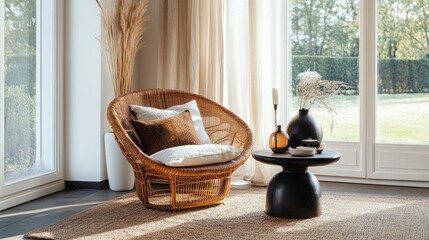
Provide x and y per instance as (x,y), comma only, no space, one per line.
(123,23)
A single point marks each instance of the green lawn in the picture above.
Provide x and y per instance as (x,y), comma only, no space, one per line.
(401,118)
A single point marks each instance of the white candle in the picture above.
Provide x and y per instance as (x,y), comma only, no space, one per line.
(275,96)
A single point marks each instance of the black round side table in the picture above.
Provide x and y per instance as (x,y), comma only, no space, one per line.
(294,192)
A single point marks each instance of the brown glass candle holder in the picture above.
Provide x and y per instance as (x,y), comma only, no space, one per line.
(279,141)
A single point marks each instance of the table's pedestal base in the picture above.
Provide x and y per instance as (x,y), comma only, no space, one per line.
(293,194)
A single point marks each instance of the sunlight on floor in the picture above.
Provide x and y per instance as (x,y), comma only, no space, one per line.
(50,209)
(14,237)
(351,210)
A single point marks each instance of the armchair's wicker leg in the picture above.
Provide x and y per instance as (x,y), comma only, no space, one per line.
(173,192)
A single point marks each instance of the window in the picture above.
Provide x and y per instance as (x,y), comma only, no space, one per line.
(29,95)
(403,72)
(324,38)
(381,50)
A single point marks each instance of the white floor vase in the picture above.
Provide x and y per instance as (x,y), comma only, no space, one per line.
(119,171)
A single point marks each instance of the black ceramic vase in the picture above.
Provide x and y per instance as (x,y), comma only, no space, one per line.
(303,126)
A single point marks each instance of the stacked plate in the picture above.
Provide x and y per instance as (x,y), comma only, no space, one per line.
(302,151)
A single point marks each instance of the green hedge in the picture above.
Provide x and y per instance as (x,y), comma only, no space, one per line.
(394,76)
(399,76)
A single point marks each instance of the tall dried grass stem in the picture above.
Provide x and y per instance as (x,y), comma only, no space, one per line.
(123,23)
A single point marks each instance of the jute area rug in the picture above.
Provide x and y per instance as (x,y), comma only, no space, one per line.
(241,216)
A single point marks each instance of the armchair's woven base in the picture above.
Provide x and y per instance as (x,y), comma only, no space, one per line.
(186,193)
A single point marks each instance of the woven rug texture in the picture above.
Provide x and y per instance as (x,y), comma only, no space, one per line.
(241,216)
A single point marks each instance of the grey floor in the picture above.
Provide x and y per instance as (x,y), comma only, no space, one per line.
(17,221)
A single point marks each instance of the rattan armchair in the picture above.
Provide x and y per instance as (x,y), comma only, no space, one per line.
(162,187)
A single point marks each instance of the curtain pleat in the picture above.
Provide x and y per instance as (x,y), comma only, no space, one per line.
(190,56)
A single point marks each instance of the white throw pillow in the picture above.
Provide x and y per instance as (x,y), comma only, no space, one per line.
(196,155)
(149,113)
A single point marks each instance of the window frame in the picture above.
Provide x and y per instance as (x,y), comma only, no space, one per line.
(49,66)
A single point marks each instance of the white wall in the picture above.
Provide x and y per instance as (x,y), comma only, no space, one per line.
(84,157)
(88,89)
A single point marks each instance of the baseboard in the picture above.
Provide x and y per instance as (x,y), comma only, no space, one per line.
(70,185)
(28,195)
(373,181)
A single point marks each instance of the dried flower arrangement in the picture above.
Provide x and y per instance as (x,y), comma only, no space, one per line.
(123,23)
(311,89)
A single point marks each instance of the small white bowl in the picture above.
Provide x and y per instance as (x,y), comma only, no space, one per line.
(302,151)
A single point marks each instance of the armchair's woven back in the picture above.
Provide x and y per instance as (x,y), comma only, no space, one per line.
(221,125)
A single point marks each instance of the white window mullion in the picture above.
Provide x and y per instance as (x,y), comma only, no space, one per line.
(57,19)
(368,80)
(2,79)
(46,98)
(38,82)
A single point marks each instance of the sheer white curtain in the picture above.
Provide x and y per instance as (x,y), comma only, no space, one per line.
(232,52)
(255,62)
(191,49)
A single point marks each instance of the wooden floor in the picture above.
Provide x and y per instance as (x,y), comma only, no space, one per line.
(15,222)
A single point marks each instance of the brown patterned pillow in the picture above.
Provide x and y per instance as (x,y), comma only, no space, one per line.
(156,135)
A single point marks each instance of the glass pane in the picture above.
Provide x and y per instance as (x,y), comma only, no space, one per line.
(325,39)
(20,89)
(403,71)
